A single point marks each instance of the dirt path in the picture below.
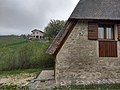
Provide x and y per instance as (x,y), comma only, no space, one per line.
(21,79)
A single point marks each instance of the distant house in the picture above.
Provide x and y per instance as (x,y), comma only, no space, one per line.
(87,50)
(37,34)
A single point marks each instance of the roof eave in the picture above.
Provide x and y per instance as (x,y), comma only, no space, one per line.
(94,18)
(61,37)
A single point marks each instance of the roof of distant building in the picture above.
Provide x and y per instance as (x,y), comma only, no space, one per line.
(37,30)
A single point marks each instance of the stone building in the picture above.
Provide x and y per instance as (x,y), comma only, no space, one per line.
(87,50)
(37,34)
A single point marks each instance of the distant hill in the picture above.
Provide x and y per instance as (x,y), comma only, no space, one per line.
(10,39)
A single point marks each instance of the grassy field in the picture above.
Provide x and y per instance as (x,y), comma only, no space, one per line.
(19,53)
(11,39)
(21,60)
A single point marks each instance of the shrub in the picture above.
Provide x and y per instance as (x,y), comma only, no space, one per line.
(25,55)
(8,59)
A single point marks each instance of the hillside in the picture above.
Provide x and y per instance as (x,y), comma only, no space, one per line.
(19,53)
(10,39)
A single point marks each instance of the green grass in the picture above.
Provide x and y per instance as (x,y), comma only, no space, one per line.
(88,87)
(17,72)
(10,39)
(80,87)
(18,53)
(92,87)
(19,56)
(6,87)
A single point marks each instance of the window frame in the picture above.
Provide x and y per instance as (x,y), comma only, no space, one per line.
(33,32)
(105,26)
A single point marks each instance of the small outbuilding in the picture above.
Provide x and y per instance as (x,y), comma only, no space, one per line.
(37,34)
(88,48)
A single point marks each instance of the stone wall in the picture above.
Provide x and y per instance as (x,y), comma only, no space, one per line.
(78,60)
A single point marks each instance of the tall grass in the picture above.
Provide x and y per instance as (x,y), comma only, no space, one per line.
(23,55)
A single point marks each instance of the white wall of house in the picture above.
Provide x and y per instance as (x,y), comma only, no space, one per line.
(37,35)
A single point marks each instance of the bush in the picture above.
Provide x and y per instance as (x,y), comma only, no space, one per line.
(25,55)
(8,59)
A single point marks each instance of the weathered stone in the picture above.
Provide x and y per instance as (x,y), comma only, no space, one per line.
(78,61)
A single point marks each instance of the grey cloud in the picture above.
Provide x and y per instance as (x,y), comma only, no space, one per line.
(21,16)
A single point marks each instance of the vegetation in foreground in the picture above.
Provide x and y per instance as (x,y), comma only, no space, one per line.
(22,54)
(92,87)
(17,79)
(80,87)
(22,60)
(18,72)
(14,87)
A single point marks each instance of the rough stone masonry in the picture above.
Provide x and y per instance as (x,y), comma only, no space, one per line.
(78,61)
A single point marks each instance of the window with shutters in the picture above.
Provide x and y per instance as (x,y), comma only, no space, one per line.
(107,44)
(104,33)
(98,32)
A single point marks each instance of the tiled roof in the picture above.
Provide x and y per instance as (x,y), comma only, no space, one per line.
(97,9)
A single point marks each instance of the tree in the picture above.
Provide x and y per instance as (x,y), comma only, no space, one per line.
(53,27)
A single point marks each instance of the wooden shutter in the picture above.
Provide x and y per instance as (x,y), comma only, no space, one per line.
(119,32)
(107,48)
(92,31)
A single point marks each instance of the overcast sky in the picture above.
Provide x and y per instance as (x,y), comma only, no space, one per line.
(22,16)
